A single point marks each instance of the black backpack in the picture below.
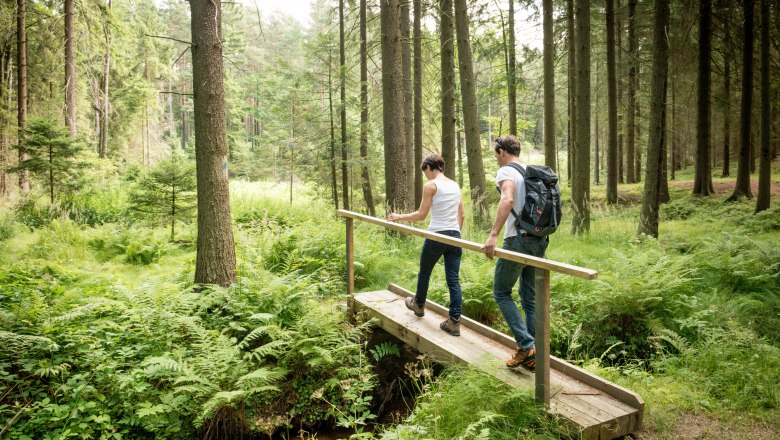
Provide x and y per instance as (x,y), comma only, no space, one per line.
(541,213)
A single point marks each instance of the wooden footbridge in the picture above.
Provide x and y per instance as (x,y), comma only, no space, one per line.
(586,405)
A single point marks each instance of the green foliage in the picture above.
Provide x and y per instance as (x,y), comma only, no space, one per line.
(166,192)
(386,348)
(52,155)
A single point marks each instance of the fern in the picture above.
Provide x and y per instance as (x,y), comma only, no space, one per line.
(384,349)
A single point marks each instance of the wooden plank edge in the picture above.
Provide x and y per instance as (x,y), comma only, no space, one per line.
(542,263)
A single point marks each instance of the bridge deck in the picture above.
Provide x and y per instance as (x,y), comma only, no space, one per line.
(586,404)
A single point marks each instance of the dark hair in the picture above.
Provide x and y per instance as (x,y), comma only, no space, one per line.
(508,143)
(433,162)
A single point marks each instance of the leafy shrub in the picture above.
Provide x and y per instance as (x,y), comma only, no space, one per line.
(8,226)
(764,221)
(680,209)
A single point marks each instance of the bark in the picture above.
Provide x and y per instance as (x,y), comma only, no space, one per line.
(572,88)
(5,107)
(672,132)
(365,176)
(343,110)
(418,71)
(468,92)
(406,58)
(765,172)
(103,140)
(726,98)
(216,256)
(549,86)
(611,105)
(633,60)
(21,90)
(621,73)
(396,179)
(333,174)
(702,181)
(648,219)
(511,68)
(742,187)
(447,38)
(580,188)
(70,71)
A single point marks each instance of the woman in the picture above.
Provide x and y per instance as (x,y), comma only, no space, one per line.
(441,196)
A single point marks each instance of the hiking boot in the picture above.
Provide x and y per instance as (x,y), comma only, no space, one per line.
(450,326)
(411,305)
(523,358)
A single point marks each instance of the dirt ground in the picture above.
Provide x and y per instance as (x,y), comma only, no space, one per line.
(701,427)
(726,188)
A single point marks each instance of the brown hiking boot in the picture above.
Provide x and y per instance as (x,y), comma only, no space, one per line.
(411,305)
(524,358)
(450,326)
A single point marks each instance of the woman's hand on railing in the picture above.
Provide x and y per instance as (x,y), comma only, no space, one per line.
(393,217)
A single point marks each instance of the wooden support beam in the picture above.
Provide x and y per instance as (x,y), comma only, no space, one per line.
(542,336)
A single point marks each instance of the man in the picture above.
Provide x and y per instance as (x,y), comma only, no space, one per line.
(511,185)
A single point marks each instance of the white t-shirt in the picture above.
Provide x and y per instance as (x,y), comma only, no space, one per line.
(444,206)
(506,173)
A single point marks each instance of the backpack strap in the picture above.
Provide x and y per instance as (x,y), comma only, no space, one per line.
(521,170)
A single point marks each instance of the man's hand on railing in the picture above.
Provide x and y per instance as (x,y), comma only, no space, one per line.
(489,248)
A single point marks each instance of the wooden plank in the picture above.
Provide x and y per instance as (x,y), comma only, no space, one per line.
(530,260)
(622,394)
(542,337)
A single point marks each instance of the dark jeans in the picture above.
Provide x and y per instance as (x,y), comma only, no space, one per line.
(506,275)
(431,252)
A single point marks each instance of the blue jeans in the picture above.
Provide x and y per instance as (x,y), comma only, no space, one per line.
(431,252)
(506,275)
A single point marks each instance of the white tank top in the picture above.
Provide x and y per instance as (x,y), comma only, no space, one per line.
(444,207)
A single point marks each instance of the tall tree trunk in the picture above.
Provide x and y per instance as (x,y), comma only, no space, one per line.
(633,60)
(364,174)
(333,174)
(620,74)
(447,41)
(726,98)
(418,174)
(216,255)
(21,91)
(571,34)
(765,171)
(468,92)
(648,218)
(343,109)
(70,71)
(511,69)
(103,140)
(5,100)
(459,141)
(702,182)
(663,193)
(549,86)
(580,188)
(406,57)
(742,187)
(396,173)
(673,132)
(611,106)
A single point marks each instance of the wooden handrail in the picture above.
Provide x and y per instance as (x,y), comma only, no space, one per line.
(530,260)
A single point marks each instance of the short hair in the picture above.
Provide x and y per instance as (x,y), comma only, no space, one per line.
(434,162)
(508,143)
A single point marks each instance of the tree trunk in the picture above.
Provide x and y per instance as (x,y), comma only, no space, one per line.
(726,98)
(459,140)
(633,60)
(611,106)
(406,56)
(673,132)
(511,68)
(216,255)
(343,109)
(21,91)
(396,172)
(620,73)
(742,187)
(418,72)
(572,88)
(447,38)
(549,86)
(70,71)
(5,100)
(648,218)
(765,171)
(333,174)
(103,140)
(702,183)
(468,92)
(580,188)
(365,176)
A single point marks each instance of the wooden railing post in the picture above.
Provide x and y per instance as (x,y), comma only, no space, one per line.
(542,336)
(350,259)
